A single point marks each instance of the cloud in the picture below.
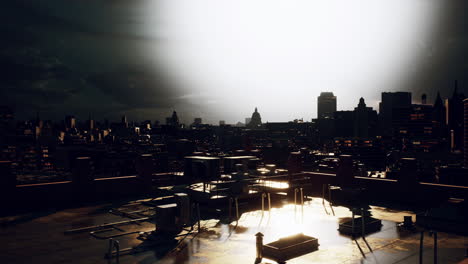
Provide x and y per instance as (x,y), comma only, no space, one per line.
(55,63)
(135,88)
(32,80)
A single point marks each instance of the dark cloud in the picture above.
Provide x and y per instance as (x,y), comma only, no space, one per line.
(68,58)
(112,19)
(444,59)
(32,80)
(134,88)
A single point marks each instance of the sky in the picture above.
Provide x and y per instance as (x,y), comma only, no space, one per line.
(220,59)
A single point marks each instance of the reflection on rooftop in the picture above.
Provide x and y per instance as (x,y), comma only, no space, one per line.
(273,184)
(229,242)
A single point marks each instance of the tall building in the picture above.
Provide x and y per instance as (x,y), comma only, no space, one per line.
(465,102)
(90,123)
(326,105)
(438,117)
(365,120)
(454,119)
(394,111)
(70,122)
(255,120)
(124,121)
(173,120)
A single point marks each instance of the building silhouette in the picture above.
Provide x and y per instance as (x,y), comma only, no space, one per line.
(197,122)
(90,124)
(423,99)
(70,122)
(438,118)
(454,119)
(124,121)
(326,105)
(255,120)
(365,120)
(173,120)
(394,111)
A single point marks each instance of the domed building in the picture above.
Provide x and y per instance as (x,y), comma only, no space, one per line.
(256,120)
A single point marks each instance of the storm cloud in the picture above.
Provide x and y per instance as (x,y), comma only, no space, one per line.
(60,59)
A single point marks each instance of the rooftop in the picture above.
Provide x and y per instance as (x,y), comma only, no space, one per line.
(55,236)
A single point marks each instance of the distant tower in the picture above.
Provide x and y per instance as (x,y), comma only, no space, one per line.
(438,115)
(70,122)
(365,120)
(255,120)
(39,122)
(124,121)
(39,125)
(173,120)
(454,118)
(90,123)
(361,123)
(326,105)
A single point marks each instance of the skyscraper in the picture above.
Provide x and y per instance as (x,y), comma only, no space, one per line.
(326,105)
(438,117)
(454,119)
(394,111)
(365,119)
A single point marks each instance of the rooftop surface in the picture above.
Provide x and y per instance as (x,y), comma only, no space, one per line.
(41,237)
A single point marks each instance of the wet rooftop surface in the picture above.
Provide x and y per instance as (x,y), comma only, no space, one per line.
(40,237)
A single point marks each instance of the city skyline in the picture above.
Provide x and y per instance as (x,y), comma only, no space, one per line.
(186,121)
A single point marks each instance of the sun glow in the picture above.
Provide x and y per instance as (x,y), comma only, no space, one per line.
(231,56)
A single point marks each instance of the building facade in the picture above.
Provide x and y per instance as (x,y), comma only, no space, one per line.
(326,105)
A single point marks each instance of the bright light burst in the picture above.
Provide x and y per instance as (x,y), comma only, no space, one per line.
(231,56)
